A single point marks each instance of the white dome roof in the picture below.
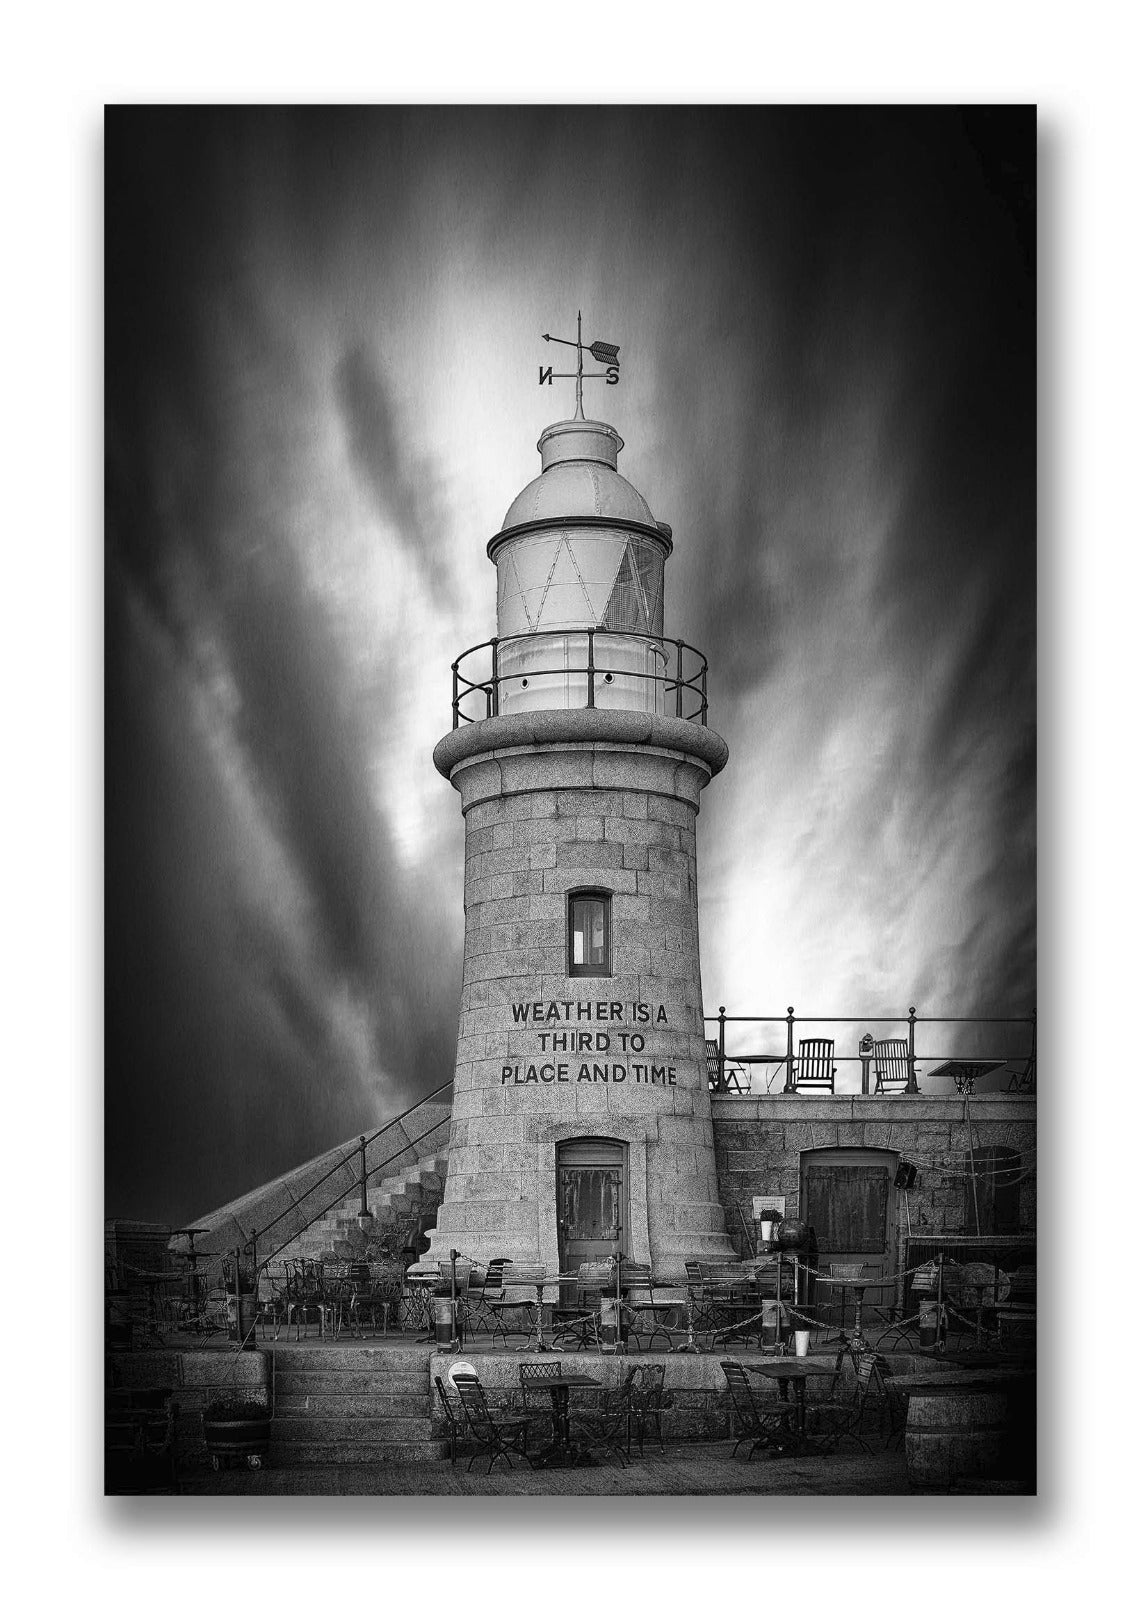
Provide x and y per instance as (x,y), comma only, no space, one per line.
(578,489)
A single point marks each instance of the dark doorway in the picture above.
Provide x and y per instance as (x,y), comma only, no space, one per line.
(848,1197)
(592,1181)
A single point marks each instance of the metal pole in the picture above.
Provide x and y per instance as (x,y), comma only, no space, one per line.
(457,1342)
(677,700)
(589,667)
(971,1157)
(455,695)
(364,1178)
(789,1083)
(721,1050)
(912,1081)
(704,697)
(254,1269)
(238,1293)
(495,677)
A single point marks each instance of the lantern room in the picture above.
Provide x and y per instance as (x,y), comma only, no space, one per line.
(580,564)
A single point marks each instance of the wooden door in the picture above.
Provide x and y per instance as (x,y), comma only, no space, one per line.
(592,1182)
(849,1198)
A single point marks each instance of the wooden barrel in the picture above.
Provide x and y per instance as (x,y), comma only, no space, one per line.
(954,1433)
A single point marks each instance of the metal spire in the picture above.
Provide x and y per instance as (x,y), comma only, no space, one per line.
(600,350)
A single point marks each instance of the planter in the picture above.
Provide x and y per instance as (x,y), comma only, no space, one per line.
(236,1439)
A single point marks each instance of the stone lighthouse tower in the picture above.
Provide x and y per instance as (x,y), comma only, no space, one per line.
(580,1119)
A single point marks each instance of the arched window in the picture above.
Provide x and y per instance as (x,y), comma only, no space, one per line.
(588,934)
(992,1199)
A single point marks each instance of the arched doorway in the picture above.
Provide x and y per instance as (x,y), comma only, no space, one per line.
(848,1196)
(592,1185)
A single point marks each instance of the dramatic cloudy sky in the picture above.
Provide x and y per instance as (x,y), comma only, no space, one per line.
(322,348)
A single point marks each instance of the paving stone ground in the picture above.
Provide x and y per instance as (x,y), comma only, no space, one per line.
(684,1470)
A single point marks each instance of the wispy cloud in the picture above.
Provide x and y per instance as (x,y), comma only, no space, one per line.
(321,340)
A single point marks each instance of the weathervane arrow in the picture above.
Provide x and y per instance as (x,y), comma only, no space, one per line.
(601,350)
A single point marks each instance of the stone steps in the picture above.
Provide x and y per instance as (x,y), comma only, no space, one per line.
(336,1404)
(352,1405)
(415,1190)
(303,1428)
(321,1454)
(395,1361)
(290,1386)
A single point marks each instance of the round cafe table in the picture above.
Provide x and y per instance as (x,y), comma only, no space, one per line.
(796,1371)
(561,1452)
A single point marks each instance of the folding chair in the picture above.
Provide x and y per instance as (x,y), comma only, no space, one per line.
(505,1435)
(890,1058)
(765,1423)
(815,1065)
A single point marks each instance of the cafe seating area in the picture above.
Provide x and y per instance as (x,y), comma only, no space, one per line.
(617,1370)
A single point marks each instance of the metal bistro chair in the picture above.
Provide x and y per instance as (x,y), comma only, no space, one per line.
(606,1427)
(538,1405)
(305,1293)
(480,1302)
(649,1397)
(493,1436)
(379,1295)
(890,1058)
(579,1320)
(815,1065)
(703,1318)
(767,1423)
(339,1286)
(844,1418)
(454,1425)
(646,1317)
(522,1291)
(272,1297)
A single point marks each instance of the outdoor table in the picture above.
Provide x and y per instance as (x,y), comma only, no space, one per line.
(154,1283)
(797,1372)
(560,1452)
(416,1299)
(854,1343)
(965,1072)
(749,1061)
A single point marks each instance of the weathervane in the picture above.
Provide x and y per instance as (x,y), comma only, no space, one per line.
(606,353)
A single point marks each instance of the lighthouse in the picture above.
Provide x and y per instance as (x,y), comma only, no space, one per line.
(580,748)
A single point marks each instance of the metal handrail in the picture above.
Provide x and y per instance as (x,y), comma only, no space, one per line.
(790,1020)
(684,685)
(357,1182)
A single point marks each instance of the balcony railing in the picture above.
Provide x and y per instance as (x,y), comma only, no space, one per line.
(1016,1047)
(598,667)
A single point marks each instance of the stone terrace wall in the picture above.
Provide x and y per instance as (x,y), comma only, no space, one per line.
(758,1140)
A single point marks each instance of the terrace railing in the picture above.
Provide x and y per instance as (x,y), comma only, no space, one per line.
(1017,1047)
(599,668)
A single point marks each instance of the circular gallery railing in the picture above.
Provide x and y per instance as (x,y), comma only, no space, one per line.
(568,669)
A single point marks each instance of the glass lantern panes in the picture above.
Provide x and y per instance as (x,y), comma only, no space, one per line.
(580,579)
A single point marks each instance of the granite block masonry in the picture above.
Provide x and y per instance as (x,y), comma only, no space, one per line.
(578,784)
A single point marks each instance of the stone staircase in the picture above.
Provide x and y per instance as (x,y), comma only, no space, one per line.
(336,1404)
(399,1200)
